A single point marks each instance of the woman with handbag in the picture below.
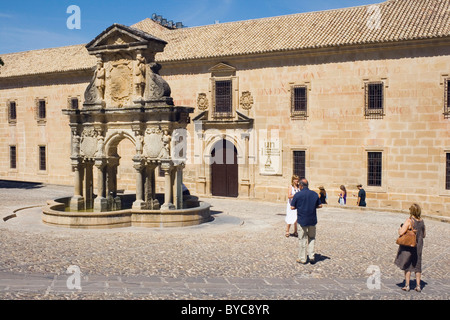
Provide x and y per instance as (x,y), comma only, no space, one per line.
(409,257)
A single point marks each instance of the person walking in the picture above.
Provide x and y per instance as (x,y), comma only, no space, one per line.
(342,195)
(306,202)
(291,215)
(361,202)
(409,259)
(323,195)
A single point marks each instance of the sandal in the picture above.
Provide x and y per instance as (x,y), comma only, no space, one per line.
(418,289)
(287,234)
(406,288)
(295,234)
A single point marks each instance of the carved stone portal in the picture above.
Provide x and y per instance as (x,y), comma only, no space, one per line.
(127,98)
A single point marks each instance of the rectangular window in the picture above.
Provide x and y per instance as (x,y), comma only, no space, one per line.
(374,100)
(447,172)
(223,98)
(42,159)
(42,112)
(374,169)
(12,112)
(74,103)
(299,104)
(299,164)
(447,98)
(12,157)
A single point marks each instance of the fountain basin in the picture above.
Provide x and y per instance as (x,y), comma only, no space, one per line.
(55,213)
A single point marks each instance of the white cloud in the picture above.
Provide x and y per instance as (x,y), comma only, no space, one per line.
(6,16)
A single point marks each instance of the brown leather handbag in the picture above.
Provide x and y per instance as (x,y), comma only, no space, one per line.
(408,239)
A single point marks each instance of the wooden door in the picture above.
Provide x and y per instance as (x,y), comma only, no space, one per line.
(224,170)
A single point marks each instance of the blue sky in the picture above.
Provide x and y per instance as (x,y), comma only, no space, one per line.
(29,25)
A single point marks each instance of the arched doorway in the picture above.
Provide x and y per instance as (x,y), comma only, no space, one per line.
(224,170)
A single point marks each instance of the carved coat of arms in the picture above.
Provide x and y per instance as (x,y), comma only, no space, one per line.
(153,143)
(246,100)
(89,143)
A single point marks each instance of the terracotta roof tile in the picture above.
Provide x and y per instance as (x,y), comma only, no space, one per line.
(400,20)
(71,58)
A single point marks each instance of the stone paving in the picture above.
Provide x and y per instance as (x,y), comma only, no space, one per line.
(241,255)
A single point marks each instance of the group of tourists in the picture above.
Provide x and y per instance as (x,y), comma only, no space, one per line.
(301,212)
(295,187)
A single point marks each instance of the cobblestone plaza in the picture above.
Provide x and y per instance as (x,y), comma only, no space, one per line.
(241,255)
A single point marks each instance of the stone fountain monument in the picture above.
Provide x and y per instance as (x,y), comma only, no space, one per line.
(126,99)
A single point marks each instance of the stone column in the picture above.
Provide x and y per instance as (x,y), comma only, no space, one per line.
(178,198)
(114,202)
(245,181)
(167,188)
(101,203)
(149,188)
(88,184)
(140,178)
(77,201)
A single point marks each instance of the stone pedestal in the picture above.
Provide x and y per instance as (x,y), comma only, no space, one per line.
(101,204)
(76,203)
(139,205)
(168,205)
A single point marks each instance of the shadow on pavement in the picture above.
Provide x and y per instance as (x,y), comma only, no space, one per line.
(412,283)
(5,184)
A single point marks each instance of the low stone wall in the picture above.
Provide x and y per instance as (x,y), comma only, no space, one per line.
(54,214)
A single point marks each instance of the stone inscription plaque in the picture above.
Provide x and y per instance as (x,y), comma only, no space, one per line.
(270,157)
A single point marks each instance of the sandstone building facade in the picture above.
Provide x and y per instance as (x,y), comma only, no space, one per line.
(342,97)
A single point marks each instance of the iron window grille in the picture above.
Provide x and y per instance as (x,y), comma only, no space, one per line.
(447,173)
(299,102)
(299,164)
(374,169)
(42,159)
(12,157)
(374,100)
(41,110)
(12,111)
(447,98)
(223,99)
(74,103)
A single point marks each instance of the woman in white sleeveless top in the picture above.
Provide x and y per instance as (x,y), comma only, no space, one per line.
(291,215)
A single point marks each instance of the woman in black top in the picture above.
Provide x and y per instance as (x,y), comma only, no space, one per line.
(322,195)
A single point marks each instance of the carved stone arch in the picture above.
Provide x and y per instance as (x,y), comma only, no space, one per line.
(234,139)
(114,137)
(224,167)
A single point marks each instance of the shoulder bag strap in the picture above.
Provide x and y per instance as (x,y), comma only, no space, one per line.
(411,226)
